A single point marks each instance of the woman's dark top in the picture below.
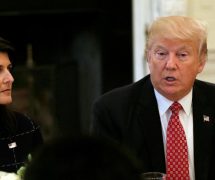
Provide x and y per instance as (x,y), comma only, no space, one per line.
(17,140)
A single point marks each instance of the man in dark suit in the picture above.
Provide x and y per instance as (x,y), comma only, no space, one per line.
(137,115)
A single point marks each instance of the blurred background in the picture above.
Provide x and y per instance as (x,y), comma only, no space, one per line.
(69,52)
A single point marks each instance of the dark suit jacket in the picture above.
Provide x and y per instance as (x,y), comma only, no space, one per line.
(27,138)
(129,115)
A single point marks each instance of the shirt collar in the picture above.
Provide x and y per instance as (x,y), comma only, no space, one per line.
(164,103)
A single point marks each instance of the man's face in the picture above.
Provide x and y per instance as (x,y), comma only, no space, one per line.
(174,65)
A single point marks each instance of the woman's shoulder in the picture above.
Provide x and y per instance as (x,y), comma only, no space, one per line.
(24,122)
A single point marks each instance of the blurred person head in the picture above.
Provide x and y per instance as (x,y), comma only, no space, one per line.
(176,51)
(82,158)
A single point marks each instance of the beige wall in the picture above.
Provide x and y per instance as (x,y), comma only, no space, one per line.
(205,10)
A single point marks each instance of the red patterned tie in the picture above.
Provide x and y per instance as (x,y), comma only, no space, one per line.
(177,150)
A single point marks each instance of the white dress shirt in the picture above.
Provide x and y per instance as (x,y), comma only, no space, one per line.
(186,119)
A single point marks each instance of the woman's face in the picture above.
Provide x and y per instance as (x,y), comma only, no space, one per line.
(6,79)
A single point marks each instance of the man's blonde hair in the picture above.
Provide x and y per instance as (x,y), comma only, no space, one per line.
(179,27)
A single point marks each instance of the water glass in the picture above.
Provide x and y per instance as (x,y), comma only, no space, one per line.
(153,176)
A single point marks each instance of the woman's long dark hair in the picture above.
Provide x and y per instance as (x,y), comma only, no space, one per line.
(7,47)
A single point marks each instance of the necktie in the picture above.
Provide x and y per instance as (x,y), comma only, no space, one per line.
(177,150)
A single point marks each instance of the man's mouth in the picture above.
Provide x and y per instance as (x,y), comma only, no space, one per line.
(170,78)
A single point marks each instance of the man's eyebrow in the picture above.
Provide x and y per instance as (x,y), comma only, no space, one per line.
(185,48)
(159,47)
(178,49)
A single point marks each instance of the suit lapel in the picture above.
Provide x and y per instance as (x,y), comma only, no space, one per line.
(203,122)
(149,120)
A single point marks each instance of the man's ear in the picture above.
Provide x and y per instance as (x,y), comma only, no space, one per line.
(203,60)
(147,55)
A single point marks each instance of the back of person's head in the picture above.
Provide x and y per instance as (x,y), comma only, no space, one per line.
(84,158)
(179,27)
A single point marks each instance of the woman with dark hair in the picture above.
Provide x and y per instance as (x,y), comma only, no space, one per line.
(19,135)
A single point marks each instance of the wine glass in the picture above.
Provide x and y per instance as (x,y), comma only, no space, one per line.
(153,176)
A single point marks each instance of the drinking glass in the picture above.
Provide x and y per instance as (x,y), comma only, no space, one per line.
(153,176)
